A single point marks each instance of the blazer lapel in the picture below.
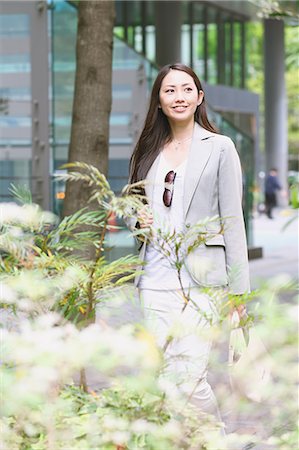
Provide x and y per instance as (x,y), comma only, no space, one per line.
(200,152)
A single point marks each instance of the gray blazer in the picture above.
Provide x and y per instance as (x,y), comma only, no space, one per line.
(213,187)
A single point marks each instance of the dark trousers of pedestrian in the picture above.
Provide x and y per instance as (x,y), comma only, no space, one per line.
(270,203)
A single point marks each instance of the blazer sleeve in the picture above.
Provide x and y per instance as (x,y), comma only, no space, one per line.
(231,212)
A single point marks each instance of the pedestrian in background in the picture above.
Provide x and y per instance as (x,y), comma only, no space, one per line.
(272,185)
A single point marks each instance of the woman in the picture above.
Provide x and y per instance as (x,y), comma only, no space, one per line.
(191,173)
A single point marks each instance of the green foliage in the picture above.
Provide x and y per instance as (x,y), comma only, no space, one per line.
(292,83)
(34,240)
(255,80)
(44,281)
(294,196)
(176,246)
(21,193)
(278,9)
(294,201)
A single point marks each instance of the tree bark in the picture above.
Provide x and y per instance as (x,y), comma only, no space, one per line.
(89,141)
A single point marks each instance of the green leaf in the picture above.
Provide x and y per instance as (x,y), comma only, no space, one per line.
(21,193)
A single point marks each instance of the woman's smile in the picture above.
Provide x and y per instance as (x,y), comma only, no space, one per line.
(180,107)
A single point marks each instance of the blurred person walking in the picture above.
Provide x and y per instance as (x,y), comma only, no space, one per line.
(272,185)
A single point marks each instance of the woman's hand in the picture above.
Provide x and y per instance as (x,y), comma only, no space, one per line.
(145,217)
(241,309)
(236,305)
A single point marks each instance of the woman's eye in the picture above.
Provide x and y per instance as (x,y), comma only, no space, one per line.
(188,89)
(169,91)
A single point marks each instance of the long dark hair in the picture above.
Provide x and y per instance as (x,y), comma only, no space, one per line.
(156,131)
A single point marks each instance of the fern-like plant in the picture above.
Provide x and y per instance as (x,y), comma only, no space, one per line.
(36,241)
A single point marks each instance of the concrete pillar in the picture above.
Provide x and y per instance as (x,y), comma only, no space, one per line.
(275,99)
(41,189)
(168,21)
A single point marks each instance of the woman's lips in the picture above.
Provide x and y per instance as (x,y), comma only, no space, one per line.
(180,108)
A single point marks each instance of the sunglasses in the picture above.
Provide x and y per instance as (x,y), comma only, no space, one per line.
(168,191)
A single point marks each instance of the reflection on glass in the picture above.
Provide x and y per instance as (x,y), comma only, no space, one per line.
(15,103)
(16,25)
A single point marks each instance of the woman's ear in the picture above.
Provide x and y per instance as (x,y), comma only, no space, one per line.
(200,97)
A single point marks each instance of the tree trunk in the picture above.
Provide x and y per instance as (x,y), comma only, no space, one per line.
(89,141)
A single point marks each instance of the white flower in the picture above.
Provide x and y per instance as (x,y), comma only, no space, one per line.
(120,437)
(140,426)
(7,295)
(29,214)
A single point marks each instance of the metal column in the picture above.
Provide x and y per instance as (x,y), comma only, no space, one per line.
(168,20)
(40,105)
(275,99)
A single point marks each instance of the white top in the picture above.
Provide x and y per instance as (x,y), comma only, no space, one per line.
(159,273)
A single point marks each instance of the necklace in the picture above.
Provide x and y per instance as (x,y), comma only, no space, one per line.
(177,144)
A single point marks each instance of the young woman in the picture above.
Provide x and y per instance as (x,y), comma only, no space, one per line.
(191,173)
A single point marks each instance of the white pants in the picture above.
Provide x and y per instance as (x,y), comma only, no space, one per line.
(187,354)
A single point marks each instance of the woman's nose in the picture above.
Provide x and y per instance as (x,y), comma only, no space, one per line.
(179,96)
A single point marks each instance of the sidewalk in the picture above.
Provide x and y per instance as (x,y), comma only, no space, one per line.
(280,256)
(280,247)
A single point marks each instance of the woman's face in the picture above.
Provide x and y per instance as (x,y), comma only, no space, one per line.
(179,96)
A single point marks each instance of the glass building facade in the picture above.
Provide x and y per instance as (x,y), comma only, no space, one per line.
(15,105)
(212,41)
(213,38)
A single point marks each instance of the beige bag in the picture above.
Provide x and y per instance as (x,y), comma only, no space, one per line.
(249,362)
